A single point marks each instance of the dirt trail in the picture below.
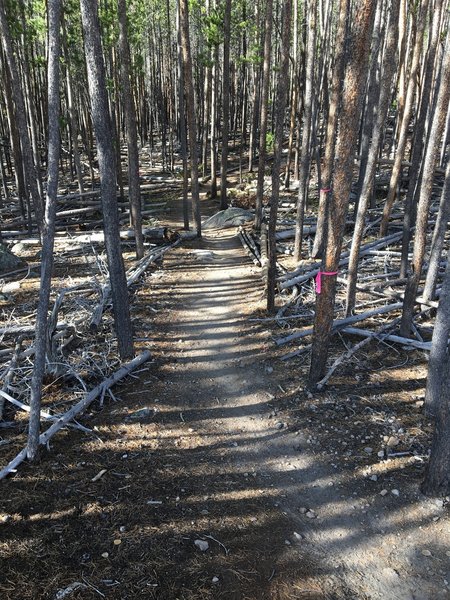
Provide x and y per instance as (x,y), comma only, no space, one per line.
(215,443)
(351,547)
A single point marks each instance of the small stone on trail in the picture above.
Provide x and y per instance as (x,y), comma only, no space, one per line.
(215,580)
(381,454)
(142,413)
(269,370)
(117,542)
(395,492)
(311,514)
(383,492)
(393,441)
(122,529)
(287,542)
(202,545)
(368,450)
(298,536)
(279,425)
(426,553)
(105,554)
(373,477)
(303,510)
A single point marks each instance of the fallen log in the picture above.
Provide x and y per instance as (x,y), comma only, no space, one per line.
(132,276)
(299,276)
(391,337)
(341,323)
(78,408)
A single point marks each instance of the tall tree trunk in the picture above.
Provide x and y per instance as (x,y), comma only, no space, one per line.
(403,135)
(387,75)
(282,89)
(305,160)
(426,100)
(225,104)
(130,120)
(432,153)
(48,229)
(107,164)
(264,113)
(190,109)
(214,94)
(335,101)
(437,398)
(31,174)
(182,125)
(355,77)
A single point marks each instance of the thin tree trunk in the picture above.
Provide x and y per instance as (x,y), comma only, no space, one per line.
(264,114)
(387,75)
(305,160)
(190,106)
(48,230)
(225,104)
(282,90)
(429,166)
(336,90)
(31,175)
(182,126)
(130,120)
(429,291)
(414,175)
(403,135)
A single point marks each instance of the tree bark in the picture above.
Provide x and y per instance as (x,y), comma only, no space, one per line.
(107,164)
(437,398)
(190,110)
(408,109)
(336,91)
(387,75)
(225,105)
(305,161)
(134,190)
(264,114)
(355,77)
(432,153)
(31,174)
(48,229)
(282,90)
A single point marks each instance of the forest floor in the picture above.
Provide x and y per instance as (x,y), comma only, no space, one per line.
(224,478)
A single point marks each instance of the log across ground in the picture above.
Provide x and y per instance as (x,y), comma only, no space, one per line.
(214,474)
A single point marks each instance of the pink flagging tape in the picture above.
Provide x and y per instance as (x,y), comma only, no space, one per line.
(325,190)
(319,279)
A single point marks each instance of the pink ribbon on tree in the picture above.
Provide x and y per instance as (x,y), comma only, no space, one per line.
(319,276)
(325,190)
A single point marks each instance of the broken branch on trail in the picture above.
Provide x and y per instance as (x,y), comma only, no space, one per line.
(78,408)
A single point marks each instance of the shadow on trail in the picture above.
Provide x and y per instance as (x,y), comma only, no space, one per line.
(210,462)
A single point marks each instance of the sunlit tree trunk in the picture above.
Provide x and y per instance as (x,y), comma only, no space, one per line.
(353,96)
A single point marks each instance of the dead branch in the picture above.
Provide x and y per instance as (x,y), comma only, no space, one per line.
(340,323)
(78,408)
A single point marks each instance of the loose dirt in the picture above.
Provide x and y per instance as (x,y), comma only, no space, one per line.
(223,477)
